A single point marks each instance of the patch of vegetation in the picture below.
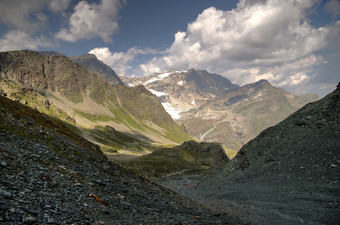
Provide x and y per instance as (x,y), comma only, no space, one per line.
(231,153)
(157,167)
(107,149)
(94,117)
(34,117)
(177,134)
(190,156)
(173,131)
(123,117)
(144,106)
(33,99)
(75,98)
(112,140)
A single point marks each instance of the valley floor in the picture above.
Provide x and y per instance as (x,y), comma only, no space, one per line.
(261,203)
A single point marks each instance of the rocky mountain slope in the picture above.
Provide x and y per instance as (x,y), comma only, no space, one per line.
(67,90)
(91,62)
(181,91)
(238,116)
(51,175)
(288,174)
(51,53)
(213,109)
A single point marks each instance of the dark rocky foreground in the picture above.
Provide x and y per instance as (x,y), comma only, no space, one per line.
(50,175)
(289,174)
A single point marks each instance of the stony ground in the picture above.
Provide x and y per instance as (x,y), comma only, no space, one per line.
(49,175)
(289,174)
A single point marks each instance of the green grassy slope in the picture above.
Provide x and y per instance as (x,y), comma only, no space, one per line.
(34,78)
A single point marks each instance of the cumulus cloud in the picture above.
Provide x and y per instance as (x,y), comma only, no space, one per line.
(264,34)
(120,61)
(16,40)
(258,39)
(58,6)
(91,20)
(28,16)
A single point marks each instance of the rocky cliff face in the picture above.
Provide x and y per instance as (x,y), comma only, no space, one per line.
(92,63)
(55,73)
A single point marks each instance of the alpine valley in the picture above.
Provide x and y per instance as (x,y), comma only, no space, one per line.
(81,145)
(213,109)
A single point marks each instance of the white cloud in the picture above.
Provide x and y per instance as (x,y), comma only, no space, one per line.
(120,61)
(21,14)
(16,40)
(264,34)
(259,39)
(28,16)
(91,20)
(58,5)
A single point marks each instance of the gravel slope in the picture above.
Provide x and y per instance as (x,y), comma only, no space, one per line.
(289,174)
(50,175)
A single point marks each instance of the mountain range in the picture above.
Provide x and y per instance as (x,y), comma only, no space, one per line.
(58,117)
(107,113)
(213,109)
(88,94)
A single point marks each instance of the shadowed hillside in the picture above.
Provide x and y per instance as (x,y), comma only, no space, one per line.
(288,174)
(51,175)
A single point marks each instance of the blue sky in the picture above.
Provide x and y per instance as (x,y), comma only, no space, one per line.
(294,43)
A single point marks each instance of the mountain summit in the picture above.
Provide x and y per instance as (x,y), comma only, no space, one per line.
(91,62)
(213,109)
(181,91)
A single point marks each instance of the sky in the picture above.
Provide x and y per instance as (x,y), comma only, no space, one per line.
(294,44)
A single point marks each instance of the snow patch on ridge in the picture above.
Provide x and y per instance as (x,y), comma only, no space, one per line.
(159,77)
(174,113)
(163,75)
(151,80)
(157,93)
